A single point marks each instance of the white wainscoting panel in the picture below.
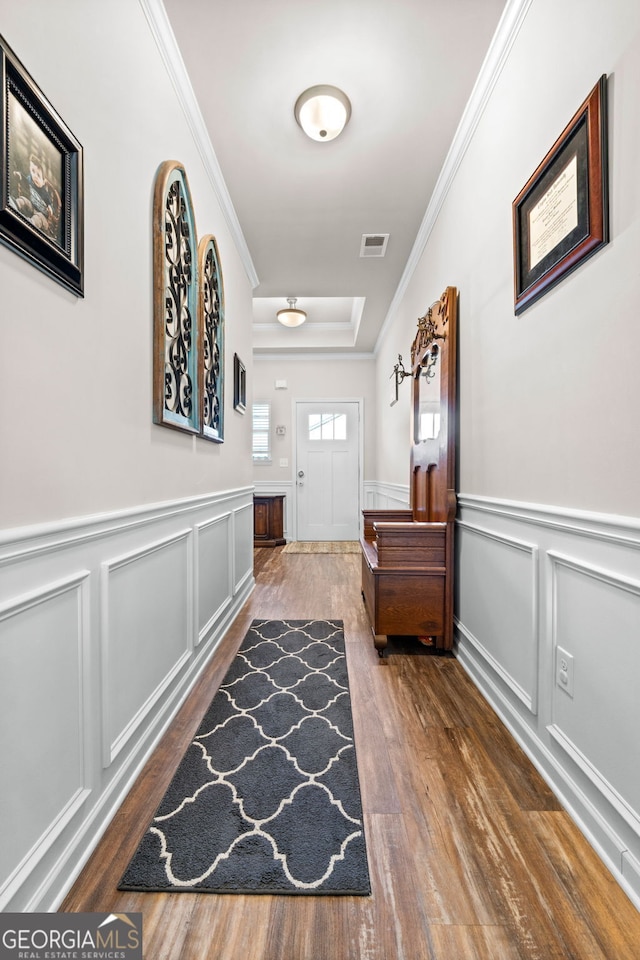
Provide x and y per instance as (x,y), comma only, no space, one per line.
(386,496)
(630,874)
(213,583)
(106,622)
(243,553)
(147,633)
(596,619)
(498,605)
(571,579)
(43,652)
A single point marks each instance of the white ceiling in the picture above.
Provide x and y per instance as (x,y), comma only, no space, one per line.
(408,67)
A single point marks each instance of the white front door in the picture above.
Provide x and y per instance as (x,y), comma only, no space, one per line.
(328,470)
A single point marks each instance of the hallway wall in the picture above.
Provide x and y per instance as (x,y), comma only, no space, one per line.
(547,399)
(126,548)
(309,378)
(548,528)
(79,438)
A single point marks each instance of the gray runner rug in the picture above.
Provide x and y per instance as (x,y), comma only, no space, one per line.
(266,799)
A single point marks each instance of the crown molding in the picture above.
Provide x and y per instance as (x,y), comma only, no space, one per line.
(165,40)
(265,354)
(331,326)
(507,30)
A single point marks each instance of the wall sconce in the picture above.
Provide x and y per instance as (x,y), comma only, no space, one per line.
(398,375)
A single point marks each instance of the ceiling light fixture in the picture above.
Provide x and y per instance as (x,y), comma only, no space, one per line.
(322,112)
(291,316)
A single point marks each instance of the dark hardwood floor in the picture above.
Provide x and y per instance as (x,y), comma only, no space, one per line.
(471,856)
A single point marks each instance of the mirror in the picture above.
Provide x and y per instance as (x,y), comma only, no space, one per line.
(427,422)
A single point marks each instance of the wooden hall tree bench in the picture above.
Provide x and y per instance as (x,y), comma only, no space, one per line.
(407,555)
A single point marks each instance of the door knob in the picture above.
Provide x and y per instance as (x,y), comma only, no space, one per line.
(301,473)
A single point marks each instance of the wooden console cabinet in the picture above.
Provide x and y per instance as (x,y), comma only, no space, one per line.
(407,555)
(268,520)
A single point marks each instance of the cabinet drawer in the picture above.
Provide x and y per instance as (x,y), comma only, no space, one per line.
(411,604)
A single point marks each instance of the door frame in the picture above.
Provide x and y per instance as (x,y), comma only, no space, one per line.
(294,452)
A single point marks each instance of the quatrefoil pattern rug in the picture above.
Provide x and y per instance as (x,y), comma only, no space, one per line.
(266,798)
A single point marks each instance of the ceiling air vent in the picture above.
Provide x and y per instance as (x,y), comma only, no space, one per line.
(374,244)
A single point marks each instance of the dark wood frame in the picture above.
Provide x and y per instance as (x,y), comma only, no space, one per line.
(584,138)
(239,384)
(60,258)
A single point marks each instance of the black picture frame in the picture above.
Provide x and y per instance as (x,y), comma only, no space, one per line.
(41,179)
(561,215)
(239,385)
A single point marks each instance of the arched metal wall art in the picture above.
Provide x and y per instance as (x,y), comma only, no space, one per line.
(175,377)
(211,326)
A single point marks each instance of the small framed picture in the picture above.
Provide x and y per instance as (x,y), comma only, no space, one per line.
(560,217)
(41,179)
(239,384)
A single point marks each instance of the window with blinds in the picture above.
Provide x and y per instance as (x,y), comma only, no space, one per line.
(261,431)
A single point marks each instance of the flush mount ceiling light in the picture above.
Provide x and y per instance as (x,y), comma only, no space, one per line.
(322,112)
(291,316)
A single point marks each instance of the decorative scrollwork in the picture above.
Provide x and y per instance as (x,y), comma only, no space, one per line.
(178,396)
(175,281)
(212,326)
(428,363)
(426,337)
(399,373)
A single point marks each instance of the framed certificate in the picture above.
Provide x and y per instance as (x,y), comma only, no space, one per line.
(560,217)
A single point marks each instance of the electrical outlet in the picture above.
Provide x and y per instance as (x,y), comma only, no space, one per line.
(564,670)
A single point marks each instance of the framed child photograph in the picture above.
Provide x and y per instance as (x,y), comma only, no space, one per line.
(41,174)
